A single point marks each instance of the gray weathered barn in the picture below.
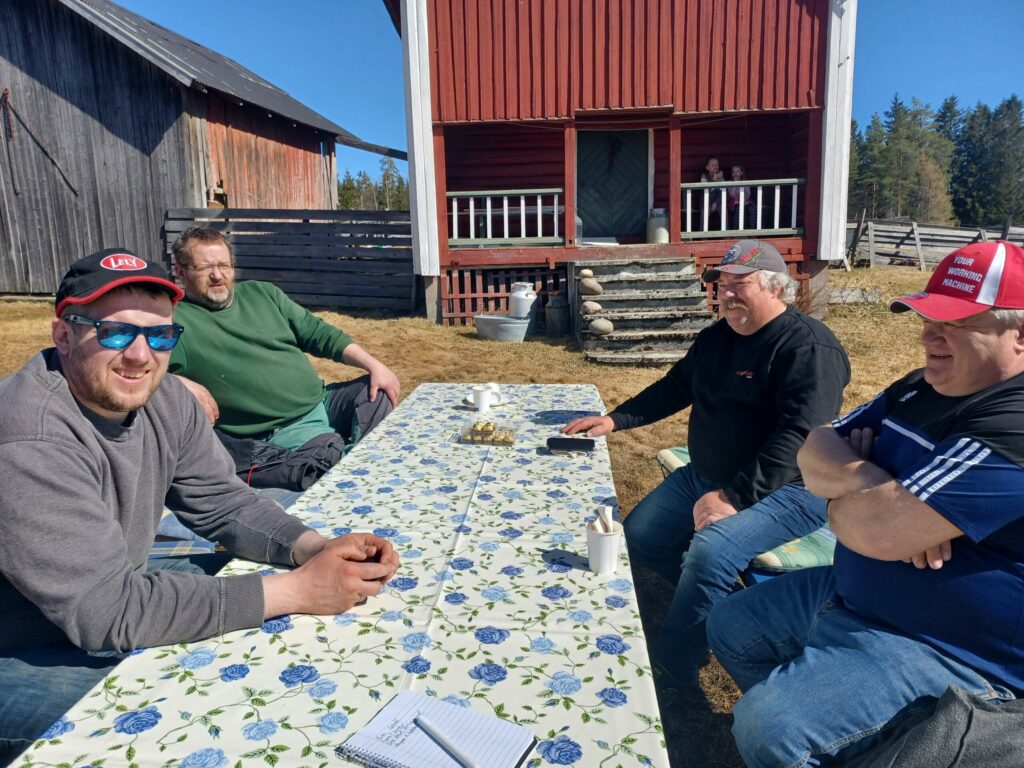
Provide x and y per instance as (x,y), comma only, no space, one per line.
(108,120)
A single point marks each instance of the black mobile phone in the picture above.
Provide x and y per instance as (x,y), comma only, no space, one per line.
(570,444)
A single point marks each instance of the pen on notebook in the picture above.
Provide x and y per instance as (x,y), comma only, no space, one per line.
(437,735)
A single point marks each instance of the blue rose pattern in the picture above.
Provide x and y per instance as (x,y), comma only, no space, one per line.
(205,758)
(491,635)
(200,657)
(137,721)
(542,645)
(417,665)
(564,684)
(560,751)
(489,673)
(612,644)
(262,729)
(277,625)
(297,675)
(612,697)
(58,729)
(322,688)
(234,672)
(332,722)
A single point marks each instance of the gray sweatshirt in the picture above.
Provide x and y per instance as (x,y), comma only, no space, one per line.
(80,499)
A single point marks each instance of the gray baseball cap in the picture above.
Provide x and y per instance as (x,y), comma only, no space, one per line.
(748,256)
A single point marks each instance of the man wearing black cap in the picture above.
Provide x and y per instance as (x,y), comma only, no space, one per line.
(926,484)
(758,380)
(94,439)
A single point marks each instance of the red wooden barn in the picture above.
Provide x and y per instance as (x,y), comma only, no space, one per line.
(543,132)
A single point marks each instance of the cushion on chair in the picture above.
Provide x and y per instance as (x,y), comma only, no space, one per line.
(672,459)
(810,551)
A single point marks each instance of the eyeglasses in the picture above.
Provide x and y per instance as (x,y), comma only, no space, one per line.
(205,269)
(114,335)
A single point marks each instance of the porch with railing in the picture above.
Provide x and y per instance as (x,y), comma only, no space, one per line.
(756,207)
(506,217)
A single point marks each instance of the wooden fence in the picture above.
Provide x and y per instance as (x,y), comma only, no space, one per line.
(468,291)
(326,259)
(908,243)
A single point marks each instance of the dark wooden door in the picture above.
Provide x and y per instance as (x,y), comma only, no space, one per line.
(611,186)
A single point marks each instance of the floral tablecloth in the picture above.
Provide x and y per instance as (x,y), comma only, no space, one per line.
(493,608)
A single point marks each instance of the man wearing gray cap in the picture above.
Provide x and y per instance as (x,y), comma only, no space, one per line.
(94,439)
(758,381)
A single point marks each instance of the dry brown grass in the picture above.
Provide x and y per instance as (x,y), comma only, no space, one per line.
(882,346)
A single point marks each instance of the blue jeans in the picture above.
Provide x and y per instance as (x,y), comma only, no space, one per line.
(38,685)
(820,679)
(705,566)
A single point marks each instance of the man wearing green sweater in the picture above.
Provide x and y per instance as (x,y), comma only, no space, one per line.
(243,355)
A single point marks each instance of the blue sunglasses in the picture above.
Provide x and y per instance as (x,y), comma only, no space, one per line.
(114,335)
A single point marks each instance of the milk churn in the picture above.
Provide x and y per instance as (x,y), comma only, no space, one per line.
(657,226)
(521,300)
(556,314)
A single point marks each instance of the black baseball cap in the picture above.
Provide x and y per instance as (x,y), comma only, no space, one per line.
(91,277)
(748,256)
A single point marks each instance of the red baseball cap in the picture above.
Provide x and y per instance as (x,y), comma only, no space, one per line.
(973,279)
(91,277)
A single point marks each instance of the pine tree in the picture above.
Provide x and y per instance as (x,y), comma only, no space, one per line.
(348,193)
(1005,188)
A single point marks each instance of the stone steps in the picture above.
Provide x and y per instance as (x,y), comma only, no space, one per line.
(670,318)
(634,357)
(656,306)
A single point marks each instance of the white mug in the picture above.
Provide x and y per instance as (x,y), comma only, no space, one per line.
(495,391)
(482,397)
(603,548)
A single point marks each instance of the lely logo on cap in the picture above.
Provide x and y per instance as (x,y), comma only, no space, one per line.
(123,262)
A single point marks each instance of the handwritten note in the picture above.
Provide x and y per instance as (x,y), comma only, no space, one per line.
(392,740)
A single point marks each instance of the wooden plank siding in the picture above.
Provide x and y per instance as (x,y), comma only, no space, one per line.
(267,161)
(111,122)
(334,259)
(514,60)
(504,156)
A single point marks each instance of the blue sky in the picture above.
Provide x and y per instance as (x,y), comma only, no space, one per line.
(343,58)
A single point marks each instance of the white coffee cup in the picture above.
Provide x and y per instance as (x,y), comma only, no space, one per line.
(482,397)
(495,391)
(603,548)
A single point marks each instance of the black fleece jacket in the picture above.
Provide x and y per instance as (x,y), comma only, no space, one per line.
(754,400)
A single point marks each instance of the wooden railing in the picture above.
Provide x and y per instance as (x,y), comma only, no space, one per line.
(907,243)
(523,217)
(771,208)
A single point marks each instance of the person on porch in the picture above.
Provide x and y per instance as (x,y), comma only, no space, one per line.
(925,484)
(244,355)
(758,381)
(93,441)
(712,172)
(733,195)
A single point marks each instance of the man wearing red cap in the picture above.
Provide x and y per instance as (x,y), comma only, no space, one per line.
(925,484)
(94,439)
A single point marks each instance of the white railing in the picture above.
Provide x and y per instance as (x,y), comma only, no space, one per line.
(770,207)
(505,217)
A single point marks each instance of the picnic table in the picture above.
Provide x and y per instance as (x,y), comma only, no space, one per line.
(493,608)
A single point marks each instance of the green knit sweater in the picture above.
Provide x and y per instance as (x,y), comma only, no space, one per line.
(251,356)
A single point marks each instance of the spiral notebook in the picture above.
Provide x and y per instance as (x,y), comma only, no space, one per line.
(393,739)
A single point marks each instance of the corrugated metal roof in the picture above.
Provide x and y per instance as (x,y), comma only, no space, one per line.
(196,66)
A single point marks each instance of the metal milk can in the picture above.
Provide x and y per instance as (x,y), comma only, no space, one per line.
(521,300)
